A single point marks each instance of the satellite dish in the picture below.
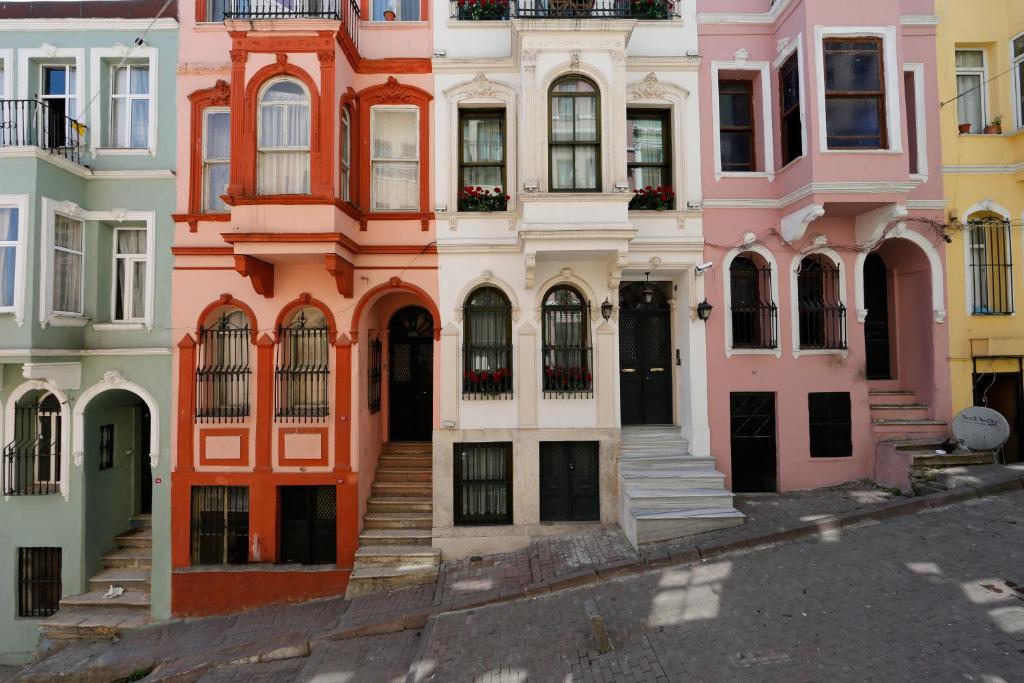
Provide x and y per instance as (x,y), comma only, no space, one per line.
(981,429)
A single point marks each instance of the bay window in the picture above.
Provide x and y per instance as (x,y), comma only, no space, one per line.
(130,264)
(574,135)
(649,158)
(283,141)
(129,106)
(1018,75)
(736,134)
(216,158)
(855,111)
(396,10)
(68,261)
(346,155)
(394,159)
(58,86)
(9,233)
(789,110)
(970,81)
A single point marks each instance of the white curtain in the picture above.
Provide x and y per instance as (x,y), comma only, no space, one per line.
(130,292)
(484,482)
(67,265)
(284,140)
(216,159)
(129,116)
(395,152)
(968,107)
(8,255)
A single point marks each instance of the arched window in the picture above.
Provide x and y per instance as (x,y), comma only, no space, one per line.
(822,314)
(284,121)
(222,375)
(574,135)
(565,328)
(32,459)
(487,354)
(301,376)
(754,314)
(990,264)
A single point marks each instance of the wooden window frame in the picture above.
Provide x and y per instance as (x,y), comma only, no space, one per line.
(552,144)
(788,68)
(345,156)
(748,86)
(457,483)
(484,113)
(665,116)
(878,95)
(205,163)
(374,160)
(830,428)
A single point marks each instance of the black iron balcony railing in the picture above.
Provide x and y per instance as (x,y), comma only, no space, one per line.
(497,10)
(346,11)
(36,123)
(31,469)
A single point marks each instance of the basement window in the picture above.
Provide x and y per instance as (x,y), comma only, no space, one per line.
(830,424)
(308,524)
(39,585)
(483,483)
(220,525)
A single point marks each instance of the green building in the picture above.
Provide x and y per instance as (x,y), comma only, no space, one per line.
(87,159)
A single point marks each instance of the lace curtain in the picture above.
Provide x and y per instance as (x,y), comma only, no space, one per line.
(67,265)
(216,159)
(395,160)
(284,140)
(130,278)
(8,255)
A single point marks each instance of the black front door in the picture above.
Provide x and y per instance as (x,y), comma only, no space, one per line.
(569,489)
(308,524)
(145,470)
(645,355)
(411,375)
(1004,393)
(876,325)
(752,428)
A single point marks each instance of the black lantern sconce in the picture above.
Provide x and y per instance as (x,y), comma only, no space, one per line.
(648,291)
(606,309)
(704,310)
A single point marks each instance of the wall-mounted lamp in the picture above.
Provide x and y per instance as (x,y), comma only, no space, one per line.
(530,185)
(441,208)
(704,310)
(606,309)
(440,52)
(621,187)
(648,290)
(694,206)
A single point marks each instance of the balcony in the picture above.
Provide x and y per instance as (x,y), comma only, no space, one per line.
(34,123)
(500,10)
(346,11)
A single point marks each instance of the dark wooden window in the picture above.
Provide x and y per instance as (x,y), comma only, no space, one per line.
(789,110)
(736,126)
(754,314)
(487,354)
(648,148)
(820,306)
(302,373)
(308,524)
(829,419)
(373,373)
(106,447)
(222,378)
(855,93)
(220,525)
(483,483)
(565,348)
(574,136)
(913,143)
(991,266)
(481,152)
(39,584)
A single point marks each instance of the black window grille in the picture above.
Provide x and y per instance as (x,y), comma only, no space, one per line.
(487,354)
(565,329)
(483,483)
(308,524)
(39,584)
(991,267)
(754,314)
(789,114)
(302,373)
(374,373)
(106,447)
(220,525)
(830,424)
(821,310)
(222,378)
(33,459)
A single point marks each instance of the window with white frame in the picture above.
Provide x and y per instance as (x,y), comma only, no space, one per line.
(284,134)
(970,90)
(1018,75)
(129,106)
(396,10)
(216,158)
(346,154)
(394,159)
(8,256)
(68,265)
(60,105)
(130,266)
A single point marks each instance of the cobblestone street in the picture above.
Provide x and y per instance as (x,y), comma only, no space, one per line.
(936,596)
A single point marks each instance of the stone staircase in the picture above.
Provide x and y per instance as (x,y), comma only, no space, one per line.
(394,547)
(666,493)
(90,616)
(897,415)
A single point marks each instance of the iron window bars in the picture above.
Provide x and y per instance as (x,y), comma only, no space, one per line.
(39,582)
(222,377)
(374,375)
(991,266)
(487,353)
(278,9)
(220,525)
(475,10)
(106,447)
(483,483)
(301,378)
(565,347)
(821,312)
(36,123)
(33,459)
(754,314)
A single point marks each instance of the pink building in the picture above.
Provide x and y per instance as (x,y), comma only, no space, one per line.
(820,182)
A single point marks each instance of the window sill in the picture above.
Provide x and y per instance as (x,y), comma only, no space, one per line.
(388,25)
(61,320)
(844,353)
(730,352)
(115,326)
(863,151)
(743,174)
(124,151)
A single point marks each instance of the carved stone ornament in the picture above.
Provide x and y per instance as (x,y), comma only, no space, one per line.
(781,45)
(119,214)
(220,94)
(121,50)
(113,378)
(326,57)
(741,56)
(78,457)
(481,86)
(749,238)
(70,209)
(154,460)
(486,276)
(619,57)
(648,89)
(574,60)
(281,57)
(393,92)
(48,50)
(528,58)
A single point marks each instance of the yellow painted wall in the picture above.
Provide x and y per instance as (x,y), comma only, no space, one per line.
(989,25)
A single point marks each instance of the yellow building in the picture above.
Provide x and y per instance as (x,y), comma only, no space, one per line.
(981,80)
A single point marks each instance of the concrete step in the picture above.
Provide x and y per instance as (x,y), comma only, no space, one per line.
(142,521)
(84,623)
(127,600)
(665,462)
(891,396)
(128,558)
(400,503)
(956,459)
(655,525)
(682,478)
(397,556)
(377,537)
(366,580)
(406,460)
(424,474)
(136,580)
(917,429)
(899,411)
(656,497)
(397,447)
(136,538)
(401,488)
(398,520)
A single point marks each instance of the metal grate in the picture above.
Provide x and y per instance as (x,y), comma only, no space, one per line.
(33,460)
(565,322)
(991,267)
(754,314)
(374,375)
(220,525)
(483,476)
(106,447)
(222,378)
(477,10)
(821,310)
(282,9)
(302,374)
(39,582)
(487,354)
(35,123)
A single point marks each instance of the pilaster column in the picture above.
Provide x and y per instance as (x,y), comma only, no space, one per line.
(264,402)
(450,377)
(186,404)
(526,375)
(343,404)
(605,375)
(237,170)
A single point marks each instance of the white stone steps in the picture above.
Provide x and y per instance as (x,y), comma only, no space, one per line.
(675,497)
(398,520)
(391,537)
(406,474)
(129,558)
(83,623)
(398,556)
(366,580)
(395,448)
(670,462)
(129,579)
(127,600)
(652,526)
(137,538)
(399,504)
(681,477)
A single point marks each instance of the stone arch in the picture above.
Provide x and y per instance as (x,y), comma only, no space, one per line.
(934,263)
(567,277)
(62,398)
(487,279)
(306,299)
(794,301)
(228,300)
(394,283)
(114,380)
(769,258)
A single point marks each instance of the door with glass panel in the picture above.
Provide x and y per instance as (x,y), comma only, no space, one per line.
(57,84)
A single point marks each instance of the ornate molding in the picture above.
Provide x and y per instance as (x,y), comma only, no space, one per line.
(530,271)
(70,209)
(392,92)
(795,225)
(528,58)
(343,273)
(650,88)
(113,378)
(259,272)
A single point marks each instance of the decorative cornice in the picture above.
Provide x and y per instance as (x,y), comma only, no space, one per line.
(392,92)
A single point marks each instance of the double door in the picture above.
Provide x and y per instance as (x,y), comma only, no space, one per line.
(645,360)
(569,489)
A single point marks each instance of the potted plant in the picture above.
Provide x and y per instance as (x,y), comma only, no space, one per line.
(479,199)
(651,9)
(964,128)
(996,127)
(483,10)
(653,199)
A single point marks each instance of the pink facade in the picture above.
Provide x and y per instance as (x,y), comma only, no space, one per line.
(815,251)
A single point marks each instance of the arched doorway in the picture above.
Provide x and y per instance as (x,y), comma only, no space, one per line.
(876,325)
(645,354)
(411,374)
